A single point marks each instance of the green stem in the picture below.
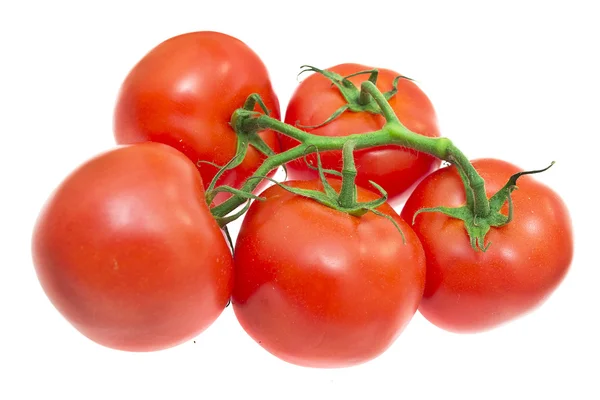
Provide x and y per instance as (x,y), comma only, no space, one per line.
(392,133)
(310,144)
(253,122)
(267,166)
(442,148)
(387,110)
(365,98)
(347,197)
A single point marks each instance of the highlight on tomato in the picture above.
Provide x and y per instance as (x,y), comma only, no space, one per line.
(183,93)
(128,252)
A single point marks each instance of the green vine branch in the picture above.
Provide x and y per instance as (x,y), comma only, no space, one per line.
(479,213)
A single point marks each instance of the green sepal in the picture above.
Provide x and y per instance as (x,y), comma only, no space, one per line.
(349,91)
(244,139)
(310,166)
(365,98)
(237,192)
(223,221)
(251,136)
(333,116)
(371,206)
(392,220)
(200,162)
(357,100)
(240,154)
(358,210)
(329,190)
(373,74)
(259,144)
(390,93)
(253,100)
(376,203)
(311,194)
(477,227)
(503,195)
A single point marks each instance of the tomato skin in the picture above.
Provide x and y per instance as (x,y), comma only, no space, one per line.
(468,291)
(392,167)
(128,252)
(320,288)
(183,93)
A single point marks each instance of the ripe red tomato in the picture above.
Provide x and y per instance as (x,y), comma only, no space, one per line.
(183,92)
(128,252)
(392,167)
(320,288)
(469,291)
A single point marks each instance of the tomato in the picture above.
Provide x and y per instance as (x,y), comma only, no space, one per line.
(471,291)
(183,93)
(318,287)
(127,250)
(392,167)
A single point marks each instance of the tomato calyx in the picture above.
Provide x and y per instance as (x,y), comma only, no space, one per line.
(477,226)
(346,200)
(357,99)
(245,137)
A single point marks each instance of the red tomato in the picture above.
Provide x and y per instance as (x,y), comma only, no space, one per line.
(183,92)
(128,252)
(392,167)
(320,288)
(470,291)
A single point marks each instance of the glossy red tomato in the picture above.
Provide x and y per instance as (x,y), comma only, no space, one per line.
(128,252)
(469,291)
(183,93)
(320,288)
(392,167)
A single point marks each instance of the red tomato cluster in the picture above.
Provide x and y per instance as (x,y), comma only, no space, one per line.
(127,250)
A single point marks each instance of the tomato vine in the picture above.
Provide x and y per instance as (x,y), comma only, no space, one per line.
(479,214)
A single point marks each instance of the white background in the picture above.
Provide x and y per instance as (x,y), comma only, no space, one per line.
(517,81)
